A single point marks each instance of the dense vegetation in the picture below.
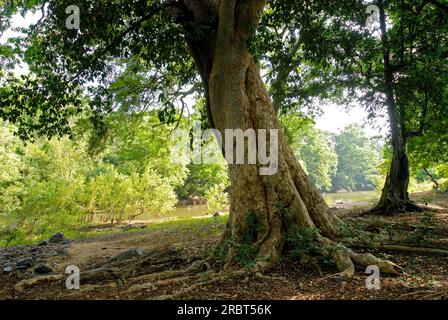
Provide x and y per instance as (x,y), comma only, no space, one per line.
(97,105)
(58,184)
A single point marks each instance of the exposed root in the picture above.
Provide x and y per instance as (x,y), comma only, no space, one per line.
(154,285)
(86,288)
(28,283)
(209,278)
(184,291)
(160,276)
(428,295)
(104,273)
(346,259)
(398,247)
(368,259)
(171,277)
(261,276)
(392,208)
(436,295)
(376,225)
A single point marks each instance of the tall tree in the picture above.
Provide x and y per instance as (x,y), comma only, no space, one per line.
(396,70)
(176,41)
(415,42)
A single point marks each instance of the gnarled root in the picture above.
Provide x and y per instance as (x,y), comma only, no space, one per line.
(346,259)
(170,277)
(428,294)
(390,208)
(28,283)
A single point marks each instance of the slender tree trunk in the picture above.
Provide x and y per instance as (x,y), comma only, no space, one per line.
(433,179)
(395,196)
(264,209)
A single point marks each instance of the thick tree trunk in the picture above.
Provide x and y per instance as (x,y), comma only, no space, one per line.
(395,196)
(264,208)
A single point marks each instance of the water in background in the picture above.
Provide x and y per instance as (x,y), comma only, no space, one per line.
(360,197)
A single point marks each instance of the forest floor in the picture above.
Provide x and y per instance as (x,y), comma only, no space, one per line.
(173,245)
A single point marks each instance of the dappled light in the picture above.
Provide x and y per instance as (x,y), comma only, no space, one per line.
(224,150)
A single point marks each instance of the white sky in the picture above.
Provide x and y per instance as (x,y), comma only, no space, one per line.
(333,119)
(19,21)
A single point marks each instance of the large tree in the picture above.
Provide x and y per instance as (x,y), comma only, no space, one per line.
(397,70)
(170,44)
(414,64)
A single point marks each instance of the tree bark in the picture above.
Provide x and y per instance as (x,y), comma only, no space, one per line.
(433,179)
(264,209)
(394,196)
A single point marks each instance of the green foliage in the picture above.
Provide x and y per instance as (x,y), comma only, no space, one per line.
(53,185)
(348,160)
(115,197)
(202,177)
(424,230)
(304,240)
(358,160)
(48,191)
(217,198)
(314,148)
(245,252)
(10,168)
(428,154)
(304,244)
(241,243)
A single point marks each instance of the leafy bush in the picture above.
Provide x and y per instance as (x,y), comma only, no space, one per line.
(217,198)
(115,197)
(54,185)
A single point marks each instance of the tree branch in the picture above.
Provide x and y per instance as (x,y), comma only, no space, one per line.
(285,71)
(156,8)
(439,5)
(249,16)
(3,14)
(39,22)
(226,27)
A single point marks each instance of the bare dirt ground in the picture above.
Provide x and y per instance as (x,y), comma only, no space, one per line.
(173,247)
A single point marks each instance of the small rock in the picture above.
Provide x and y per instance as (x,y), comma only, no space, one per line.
(8,269)
(57,238)
(42,268)
(43,244)
(25,263)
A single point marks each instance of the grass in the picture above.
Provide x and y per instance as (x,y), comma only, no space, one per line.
(201,225)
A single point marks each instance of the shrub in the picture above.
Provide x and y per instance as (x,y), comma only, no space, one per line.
(217,198)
